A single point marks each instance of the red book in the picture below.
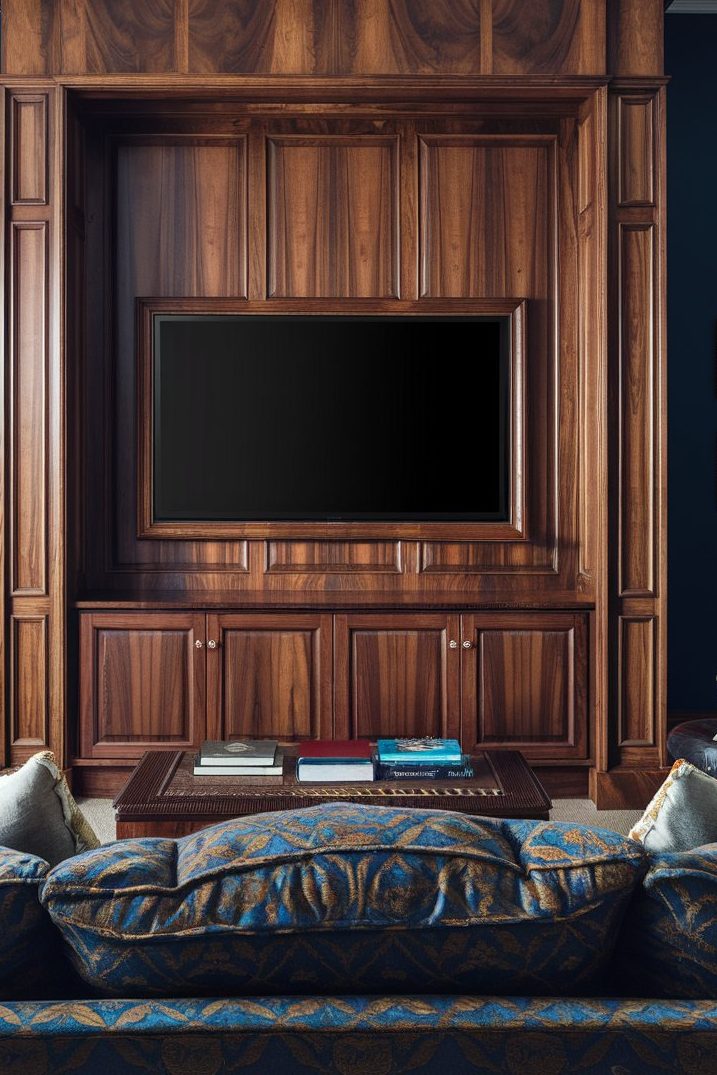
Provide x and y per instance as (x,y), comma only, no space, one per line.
(336,749)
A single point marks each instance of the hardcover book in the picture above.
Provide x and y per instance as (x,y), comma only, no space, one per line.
(209,768)
(351,750)
(420,751)
(238,752)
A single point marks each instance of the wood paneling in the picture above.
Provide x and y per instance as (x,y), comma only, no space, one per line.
(635,37)
(637,677)
(29,149)
(28,389)
(332,217)
(143,681)
(29,701)
(637,150)
(524,683)
(333,556)
(181,230)
(269,676)
(120,35)
(396,675)
(548,35)
(637,385)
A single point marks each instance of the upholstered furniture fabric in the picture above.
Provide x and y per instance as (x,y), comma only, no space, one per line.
(466,1035)
(348,898)
(683,812)
(668,944)
(24,924)
(38,814)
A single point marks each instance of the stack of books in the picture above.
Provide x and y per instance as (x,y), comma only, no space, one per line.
(250,758)
(422,759)
(335,761)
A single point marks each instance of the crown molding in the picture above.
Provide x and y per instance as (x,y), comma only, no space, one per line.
(691,7)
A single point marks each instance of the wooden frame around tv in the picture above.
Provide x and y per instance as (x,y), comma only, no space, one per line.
(513,529)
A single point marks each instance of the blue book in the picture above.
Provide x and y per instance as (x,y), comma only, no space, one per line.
(419,751)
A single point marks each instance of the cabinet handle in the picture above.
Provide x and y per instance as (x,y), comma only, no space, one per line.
(453,644)
(211,644)
(467,644)
(199,644)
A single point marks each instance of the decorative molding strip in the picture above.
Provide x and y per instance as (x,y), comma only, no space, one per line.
(692,7)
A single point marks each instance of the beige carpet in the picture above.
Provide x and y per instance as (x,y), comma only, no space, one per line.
(100,815)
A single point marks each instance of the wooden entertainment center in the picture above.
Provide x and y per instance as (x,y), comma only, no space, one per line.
(403,157)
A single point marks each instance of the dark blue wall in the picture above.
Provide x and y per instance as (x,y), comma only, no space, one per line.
(691,60)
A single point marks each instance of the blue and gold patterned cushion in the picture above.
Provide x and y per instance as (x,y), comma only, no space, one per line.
(25,930)
(348,898)
(668,944)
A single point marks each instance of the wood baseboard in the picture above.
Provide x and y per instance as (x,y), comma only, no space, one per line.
(625,789)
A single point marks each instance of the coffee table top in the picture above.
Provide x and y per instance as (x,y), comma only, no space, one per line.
(163,788)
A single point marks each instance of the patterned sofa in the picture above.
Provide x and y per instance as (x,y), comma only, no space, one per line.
(361,940)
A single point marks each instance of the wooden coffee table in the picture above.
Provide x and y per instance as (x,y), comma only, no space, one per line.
(163,798)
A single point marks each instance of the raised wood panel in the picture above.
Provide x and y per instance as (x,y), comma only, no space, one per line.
(637,150)
(548,35)
(396,675)
(487,208)
(29,685)
(333,556)
(636,713)
(269,676)
(142,682)
(28,387)
(181,230)
(637,412)
(29,149)
(332,217)
(525,683)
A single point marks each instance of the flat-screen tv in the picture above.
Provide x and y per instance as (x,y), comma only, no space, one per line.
(329,418)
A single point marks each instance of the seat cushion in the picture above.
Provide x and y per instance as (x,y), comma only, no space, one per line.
(25,930)
(668,943)
(348,898)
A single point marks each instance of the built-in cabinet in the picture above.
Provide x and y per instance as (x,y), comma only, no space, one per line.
(170,679)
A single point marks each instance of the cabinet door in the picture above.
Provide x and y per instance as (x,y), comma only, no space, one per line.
(141,682)
(397,675)
(525,683)
(269,675)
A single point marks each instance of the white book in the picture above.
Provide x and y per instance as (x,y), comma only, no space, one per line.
(238,752)
(210,769)
(334,772)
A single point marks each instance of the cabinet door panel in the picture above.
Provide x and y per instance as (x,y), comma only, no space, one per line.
(142,682)
(525,684)
(396,675)
(270,676)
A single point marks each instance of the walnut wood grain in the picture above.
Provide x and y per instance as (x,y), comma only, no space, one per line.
(333,556)
(28,394)
(545,35)
(332,217)
(29,685)
(29,149)
(270,676)
(396,675)
(635,37)
(524,684)
(637,650)
(142,682)
(637,150)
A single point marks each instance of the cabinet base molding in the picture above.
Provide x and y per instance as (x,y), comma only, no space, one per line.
(99,782)
(625,789)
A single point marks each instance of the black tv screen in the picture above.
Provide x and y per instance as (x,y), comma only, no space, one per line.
(314,418)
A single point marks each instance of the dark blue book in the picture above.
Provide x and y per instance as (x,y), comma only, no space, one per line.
(403,771)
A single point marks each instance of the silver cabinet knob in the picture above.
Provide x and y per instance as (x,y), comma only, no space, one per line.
(467,644)
(453,644)
(211,644)
(199,644)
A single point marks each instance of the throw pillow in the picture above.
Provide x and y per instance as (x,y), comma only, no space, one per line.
(683,813)
(668,943)
(38,814)
(348,898)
